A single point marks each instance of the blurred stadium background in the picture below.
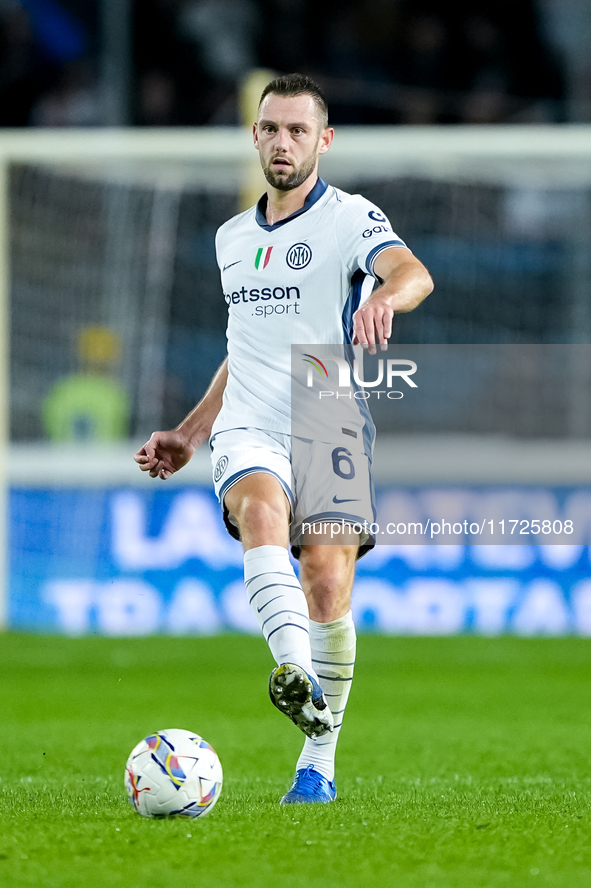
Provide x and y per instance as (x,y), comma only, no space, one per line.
(123,149)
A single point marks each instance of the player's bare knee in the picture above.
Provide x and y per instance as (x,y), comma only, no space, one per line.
(323,610)
(327,578)
(256,514)
(328,603)
(263,515)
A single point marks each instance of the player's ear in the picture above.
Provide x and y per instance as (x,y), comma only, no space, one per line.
(326,140)
(255,135)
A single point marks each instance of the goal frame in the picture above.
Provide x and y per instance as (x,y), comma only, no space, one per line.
(436,150)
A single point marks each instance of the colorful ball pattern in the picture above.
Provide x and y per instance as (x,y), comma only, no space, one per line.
(173,773)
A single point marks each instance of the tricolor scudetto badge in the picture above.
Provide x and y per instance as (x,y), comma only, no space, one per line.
(260,262)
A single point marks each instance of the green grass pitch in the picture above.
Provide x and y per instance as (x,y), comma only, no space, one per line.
(463,762)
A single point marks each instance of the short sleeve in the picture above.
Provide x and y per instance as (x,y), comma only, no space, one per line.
(363,232)
(218,247)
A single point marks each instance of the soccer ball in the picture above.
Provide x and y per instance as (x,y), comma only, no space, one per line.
(173,773)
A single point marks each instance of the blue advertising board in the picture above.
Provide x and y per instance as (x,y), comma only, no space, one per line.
(125,561)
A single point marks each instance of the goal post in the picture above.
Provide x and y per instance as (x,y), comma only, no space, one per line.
(4,389)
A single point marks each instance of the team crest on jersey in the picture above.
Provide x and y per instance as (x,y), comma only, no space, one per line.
(263,257)
(299,256)
(220,467)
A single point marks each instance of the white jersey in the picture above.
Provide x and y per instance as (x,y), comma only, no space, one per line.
(298,281)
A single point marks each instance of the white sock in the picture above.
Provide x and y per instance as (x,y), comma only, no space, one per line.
(333,657)
(278,603)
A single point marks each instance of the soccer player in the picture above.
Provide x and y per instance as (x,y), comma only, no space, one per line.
(299,267)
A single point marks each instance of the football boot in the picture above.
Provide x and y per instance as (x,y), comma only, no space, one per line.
(310,787)
(300,697)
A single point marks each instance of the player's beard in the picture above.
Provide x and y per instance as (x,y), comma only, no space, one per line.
(295,178)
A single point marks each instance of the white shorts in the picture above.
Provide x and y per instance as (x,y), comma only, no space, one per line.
(323,482)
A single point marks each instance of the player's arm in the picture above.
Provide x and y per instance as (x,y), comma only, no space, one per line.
(167,452)
(405,283)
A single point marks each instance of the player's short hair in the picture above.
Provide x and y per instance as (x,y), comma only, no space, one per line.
(299,85)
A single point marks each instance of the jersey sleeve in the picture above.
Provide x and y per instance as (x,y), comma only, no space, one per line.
(363,232)
(219,241)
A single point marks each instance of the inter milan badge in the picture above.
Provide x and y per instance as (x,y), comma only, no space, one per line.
(220,467)
(299,256)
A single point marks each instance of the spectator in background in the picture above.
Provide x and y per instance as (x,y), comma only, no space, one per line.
(73,101)
(538,71)
(417,62)
(45,74)
(347,50)
(380,61)
(510,73)
(351,71)
(157,99)
(487,72)
(89,405)
(424,68)
(285,40)
(567,24)
(224,34)
(172,85)
(25,70)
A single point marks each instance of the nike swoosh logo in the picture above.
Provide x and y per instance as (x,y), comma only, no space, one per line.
(259,609)
(335,500)
(231,264)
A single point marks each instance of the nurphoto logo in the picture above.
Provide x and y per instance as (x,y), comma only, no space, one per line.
(351,377)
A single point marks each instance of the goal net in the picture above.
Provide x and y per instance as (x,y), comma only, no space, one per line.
(116,320)
(118,234)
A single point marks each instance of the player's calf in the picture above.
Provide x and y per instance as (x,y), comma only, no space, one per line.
(299,696)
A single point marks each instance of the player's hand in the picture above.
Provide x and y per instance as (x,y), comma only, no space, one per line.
(372,324)
(164,454)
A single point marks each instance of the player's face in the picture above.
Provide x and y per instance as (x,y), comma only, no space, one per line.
(289,139)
